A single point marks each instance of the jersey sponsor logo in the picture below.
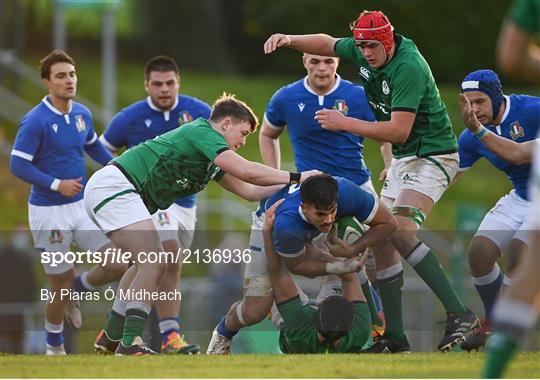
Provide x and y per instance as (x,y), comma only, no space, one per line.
(380,106)
(163,218)
(184,182)
(385,88)
(55,127)
(185,117)
(56,236)
(148,122)
(341,106)
(364,72)
(80,123)
(301,106)
(516,130)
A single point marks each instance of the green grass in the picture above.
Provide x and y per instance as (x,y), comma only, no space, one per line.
(432,365)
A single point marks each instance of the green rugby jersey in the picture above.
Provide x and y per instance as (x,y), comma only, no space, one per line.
(298,333)
(175,164)
(405,84)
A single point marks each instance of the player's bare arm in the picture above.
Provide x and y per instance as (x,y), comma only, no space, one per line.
(386,154)
(381,226)
(508,150)
(253,172)
(309,266)
(395,131)
(269,145)
(248,191)
(283,285)
(320,44)
(516,52)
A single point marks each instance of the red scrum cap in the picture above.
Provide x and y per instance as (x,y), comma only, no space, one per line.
(374,26)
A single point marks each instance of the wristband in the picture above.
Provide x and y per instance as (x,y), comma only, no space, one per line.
(294,177)
(483,132)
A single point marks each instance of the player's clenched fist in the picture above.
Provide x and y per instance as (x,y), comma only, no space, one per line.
(276,41)
(70,187)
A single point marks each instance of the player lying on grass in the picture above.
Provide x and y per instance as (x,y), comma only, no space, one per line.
(503,122)
(308,211)
(122,197)
(338,324)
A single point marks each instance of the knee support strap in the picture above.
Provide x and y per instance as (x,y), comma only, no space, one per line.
(415,214)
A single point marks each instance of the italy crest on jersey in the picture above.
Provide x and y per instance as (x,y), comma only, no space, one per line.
(163,218)
(184,117)
(80,123)
(56,236)
(341,106)
(516,130)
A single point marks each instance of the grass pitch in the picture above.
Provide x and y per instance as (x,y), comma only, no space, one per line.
(430,365)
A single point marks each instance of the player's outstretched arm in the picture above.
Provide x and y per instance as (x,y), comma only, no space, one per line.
(320,44)
(511,151)
(256,173)
(247,191)
(351,287)
(283,285)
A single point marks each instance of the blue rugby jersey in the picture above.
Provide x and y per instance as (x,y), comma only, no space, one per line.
(520,122)
(53,142)
(292,230)
(336,153)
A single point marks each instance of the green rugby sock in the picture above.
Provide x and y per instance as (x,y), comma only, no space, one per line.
(134,326)
(430,270)
(501,349)
(391,291)
(375,319)
(115,325)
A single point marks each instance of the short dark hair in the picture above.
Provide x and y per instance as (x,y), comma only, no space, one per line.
(320,191)
(50,59)
(161,63)
(228,106)
(334,317)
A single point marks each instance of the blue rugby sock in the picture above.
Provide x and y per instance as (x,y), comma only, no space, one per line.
(489,289)
(222,329)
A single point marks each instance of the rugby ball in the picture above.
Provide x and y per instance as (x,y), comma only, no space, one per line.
(349,229)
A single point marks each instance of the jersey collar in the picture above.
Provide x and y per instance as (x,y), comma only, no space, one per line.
(302,214)
(321,97)
(48,104)
(504,116)
(507,110)
(166,114)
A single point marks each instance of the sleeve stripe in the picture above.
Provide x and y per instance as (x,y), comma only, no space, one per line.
(373,212)
(107,144)
(463,169)
(404,109)
(92,140)
(293,254)
(270,124)
(23,155)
